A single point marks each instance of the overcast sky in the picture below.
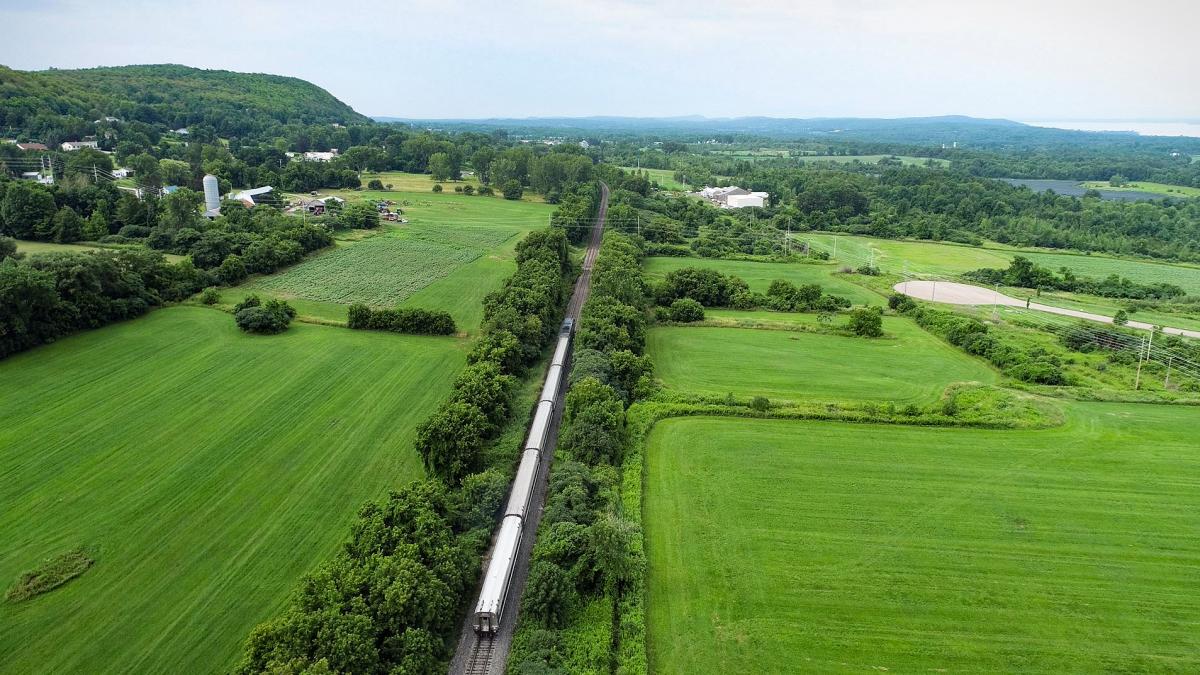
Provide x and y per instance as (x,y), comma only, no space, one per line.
(1020,59)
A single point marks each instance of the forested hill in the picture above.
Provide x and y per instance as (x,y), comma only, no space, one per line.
(55,105)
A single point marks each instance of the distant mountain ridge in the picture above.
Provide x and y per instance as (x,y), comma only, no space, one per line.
(918,131)
(171,95)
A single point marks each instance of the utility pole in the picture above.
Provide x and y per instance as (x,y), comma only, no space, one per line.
(996,304)
(1142,351)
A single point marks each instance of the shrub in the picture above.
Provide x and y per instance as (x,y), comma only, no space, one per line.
(686,310)
(900,303)
(210,296)
(375,184)
(266,318)
(412,320)
(549,593)
(468,190)
(760,403)
(437,187)
(486,191)
(867,322)
(512,190)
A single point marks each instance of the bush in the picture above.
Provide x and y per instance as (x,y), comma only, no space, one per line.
(268,318)
(686,310)
(486,191)
(760,403)
(512,190)
(375,184)
(437,187)
(413,320)
(134,232)
(866,322)
(901,303)
(210,296)
(549,593)
(468,190)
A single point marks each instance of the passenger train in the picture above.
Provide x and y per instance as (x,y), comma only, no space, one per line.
(492,597)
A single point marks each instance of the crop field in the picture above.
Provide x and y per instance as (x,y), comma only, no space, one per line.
(908,365)
(786,546)
(759,275)
(664,177)
(208,470)
(1163,189)
(934,258)
(453,251)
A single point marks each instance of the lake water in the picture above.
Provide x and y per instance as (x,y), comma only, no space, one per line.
(1142,128)
(1072,188)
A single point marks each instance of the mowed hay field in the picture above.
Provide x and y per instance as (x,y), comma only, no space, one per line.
(759,275)
(664,177)
(209,470)
(908,365)
(453,251)
(784,546)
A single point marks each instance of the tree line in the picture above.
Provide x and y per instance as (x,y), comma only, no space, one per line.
(389,602)
(1023,272)
(586,549)
(49,296)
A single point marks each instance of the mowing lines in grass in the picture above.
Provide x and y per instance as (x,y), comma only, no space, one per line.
(782,546)
(209,470)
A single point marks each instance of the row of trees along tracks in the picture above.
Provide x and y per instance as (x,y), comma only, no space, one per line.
(488,655)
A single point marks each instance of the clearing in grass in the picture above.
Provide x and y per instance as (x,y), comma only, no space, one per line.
(907,365)
(785,546)
(208,469)
(759,275)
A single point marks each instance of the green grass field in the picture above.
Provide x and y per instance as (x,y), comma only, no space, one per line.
(453,251)
(947,259)
(905,366)
(1140,186)
(208,469)
(759,275)
(664,177)
(783,546)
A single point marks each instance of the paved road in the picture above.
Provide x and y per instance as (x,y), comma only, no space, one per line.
(512,605)
(965,294)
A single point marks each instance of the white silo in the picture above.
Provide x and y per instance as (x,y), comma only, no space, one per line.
(212,193)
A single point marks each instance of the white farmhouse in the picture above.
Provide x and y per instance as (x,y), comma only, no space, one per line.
(71,146)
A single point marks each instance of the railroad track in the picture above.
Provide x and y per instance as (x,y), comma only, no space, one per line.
(480,662)
(485,654)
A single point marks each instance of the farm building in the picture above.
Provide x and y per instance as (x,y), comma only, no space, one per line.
(251,198)
(733,197)
(71,146)
(31,146)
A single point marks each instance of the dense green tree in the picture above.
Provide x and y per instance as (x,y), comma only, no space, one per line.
(67,226)
(26,209)
(449,440)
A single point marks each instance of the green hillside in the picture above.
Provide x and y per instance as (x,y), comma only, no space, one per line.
(233,104)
